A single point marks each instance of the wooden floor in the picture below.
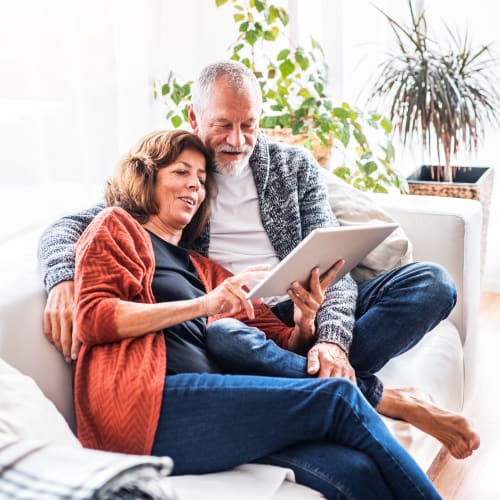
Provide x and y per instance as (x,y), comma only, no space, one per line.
(478,477)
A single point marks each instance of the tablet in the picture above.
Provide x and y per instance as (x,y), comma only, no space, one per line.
(322,248)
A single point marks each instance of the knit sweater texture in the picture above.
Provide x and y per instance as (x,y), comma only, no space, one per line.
(118,383)
(293,201)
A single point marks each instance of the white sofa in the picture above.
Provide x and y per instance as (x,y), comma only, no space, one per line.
(443,230)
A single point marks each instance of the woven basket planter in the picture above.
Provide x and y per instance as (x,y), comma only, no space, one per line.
(285,135)
(473,183)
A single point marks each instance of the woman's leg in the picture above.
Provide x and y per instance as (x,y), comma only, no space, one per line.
(379,335)
(342,481)
(245,350)
(241,349)
(214,422)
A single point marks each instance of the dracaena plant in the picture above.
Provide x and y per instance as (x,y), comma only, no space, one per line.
(293,81)
(442,95)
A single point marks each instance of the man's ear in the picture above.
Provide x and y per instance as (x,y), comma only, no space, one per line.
(193,121)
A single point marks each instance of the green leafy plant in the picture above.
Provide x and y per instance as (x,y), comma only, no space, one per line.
(442,94)
(293,81)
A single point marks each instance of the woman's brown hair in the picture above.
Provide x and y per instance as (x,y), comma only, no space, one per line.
(132,187)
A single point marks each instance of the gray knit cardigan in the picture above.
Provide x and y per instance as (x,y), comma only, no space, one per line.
(293,201)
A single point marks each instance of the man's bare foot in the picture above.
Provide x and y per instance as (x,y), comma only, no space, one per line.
(452,429)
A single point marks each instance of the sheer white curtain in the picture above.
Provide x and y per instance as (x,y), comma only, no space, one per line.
(76,75)
(76,92)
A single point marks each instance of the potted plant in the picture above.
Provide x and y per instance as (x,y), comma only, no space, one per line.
(296,107)
(441,96)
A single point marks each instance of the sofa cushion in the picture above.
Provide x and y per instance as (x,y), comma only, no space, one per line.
(352,206)
(26,413)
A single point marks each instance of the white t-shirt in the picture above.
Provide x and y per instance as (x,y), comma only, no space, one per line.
(237,237)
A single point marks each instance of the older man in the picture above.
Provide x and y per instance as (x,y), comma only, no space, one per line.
(269,198)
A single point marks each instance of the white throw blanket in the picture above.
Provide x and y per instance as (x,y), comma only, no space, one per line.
(30,469)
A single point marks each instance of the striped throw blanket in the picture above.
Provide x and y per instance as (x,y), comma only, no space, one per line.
(36,470)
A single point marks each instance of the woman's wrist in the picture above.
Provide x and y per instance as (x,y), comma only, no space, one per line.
(202,306)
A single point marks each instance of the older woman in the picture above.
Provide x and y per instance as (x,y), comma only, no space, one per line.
(145,381)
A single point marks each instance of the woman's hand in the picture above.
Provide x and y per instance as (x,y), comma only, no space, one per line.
(306,305)
(229,296)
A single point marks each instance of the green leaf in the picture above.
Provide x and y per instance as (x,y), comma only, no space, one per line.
(176,121)
(386,125)
(342,172)
(165,89)
(370,167)
(283,54)
(244,26)
(341,113)
(380,189)
(238,17)
(309,102)
(319,87)
(300,113)
(345,136)
(238,47)
(218,3)
(273,14)
(302,61)
(283,15)
(269,36)
(259,5)
(284,120)
(297,127)
(286,68)
(269,122)
(251,37)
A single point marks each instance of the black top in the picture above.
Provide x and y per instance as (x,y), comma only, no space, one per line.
(175,278)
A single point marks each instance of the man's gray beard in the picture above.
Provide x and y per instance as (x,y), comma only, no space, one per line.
(234,168)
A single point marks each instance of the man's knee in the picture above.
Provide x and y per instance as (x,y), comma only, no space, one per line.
(438,283)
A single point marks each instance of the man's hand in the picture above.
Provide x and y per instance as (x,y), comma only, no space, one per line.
(58,320)
(329,360)
(306,305)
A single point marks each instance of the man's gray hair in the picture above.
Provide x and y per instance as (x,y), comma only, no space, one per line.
(240,78)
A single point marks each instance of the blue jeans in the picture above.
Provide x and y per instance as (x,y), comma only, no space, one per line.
(394,311)
(323,429)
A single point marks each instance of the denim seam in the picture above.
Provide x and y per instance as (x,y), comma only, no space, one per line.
(387,452)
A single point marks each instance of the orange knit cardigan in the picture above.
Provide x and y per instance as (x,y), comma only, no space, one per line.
(118,383)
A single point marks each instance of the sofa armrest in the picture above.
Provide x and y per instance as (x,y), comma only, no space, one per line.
(447,231)
(22,343)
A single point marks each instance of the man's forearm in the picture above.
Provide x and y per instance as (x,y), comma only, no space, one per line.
(56,246)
